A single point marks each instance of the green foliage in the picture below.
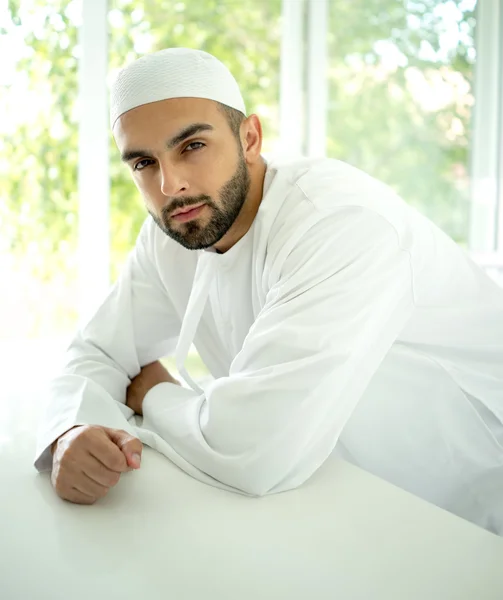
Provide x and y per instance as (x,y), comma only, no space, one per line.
(390,120)
(381,118)
(38,182)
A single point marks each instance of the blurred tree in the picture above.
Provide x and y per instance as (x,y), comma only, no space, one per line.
(38,163)
(399,108)
(400,77)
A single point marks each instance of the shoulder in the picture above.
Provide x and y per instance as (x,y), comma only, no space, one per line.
(327,181)
(330,184)
(324,185)
(326,203)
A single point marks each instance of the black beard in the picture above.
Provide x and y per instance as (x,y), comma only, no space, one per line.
(194,236)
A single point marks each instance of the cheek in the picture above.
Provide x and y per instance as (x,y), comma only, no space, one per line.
(150,192)
(214,179)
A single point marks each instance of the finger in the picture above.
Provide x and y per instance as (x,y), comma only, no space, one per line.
(76,497)
(132,453)
(86,485)
(129,445)
(97,471)
(104,450)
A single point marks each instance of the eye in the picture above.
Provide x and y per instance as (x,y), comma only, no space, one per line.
(198,144)
(141,164)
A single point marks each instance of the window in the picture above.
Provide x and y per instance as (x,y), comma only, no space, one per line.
(38,167)
(401,97)
(410,91)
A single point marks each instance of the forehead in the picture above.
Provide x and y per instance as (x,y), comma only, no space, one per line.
(164,118)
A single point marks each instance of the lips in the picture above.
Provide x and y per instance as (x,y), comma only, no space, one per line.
(186,209)
(188,213)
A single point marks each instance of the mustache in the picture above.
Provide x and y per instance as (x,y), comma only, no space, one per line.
(185,202)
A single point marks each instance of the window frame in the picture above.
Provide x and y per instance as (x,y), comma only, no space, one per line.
(486,169)
(93,159)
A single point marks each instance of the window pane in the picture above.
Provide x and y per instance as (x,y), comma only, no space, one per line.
(38,176)
(400,99)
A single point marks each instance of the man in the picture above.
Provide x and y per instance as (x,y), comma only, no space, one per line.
(332,316)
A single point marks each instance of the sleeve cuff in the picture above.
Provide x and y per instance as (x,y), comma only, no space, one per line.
(74,402)
(166,408)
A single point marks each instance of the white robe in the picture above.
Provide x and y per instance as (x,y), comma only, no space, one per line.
(343,321)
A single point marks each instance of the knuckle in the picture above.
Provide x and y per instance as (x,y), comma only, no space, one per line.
(83,432)
(89,433)
(87,500)
(93,428)
(114,479)
(101,492)
(133,445)
(94,432)
(118,462)
(64,493)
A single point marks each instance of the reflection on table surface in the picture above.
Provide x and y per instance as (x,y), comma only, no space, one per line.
(160,534)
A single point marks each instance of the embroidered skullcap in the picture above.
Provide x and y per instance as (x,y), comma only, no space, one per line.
(173,73)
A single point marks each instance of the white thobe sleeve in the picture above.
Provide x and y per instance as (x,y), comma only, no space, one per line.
(344,294)
(134,326)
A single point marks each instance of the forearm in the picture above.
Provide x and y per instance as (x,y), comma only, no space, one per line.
(111,367)
(149,376)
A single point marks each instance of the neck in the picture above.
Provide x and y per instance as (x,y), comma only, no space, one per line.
(249,211)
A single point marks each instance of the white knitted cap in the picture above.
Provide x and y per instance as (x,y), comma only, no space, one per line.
(173,73)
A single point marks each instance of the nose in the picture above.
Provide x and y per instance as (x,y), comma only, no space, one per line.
(172,181)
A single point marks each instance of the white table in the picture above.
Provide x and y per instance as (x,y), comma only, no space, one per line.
(345,535)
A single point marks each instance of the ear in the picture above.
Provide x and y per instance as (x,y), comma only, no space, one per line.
(251,138)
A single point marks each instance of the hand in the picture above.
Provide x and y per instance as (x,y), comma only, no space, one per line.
(88,460)
(147,378)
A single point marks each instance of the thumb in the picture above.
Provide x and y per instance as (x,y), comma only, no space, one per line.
(131,447)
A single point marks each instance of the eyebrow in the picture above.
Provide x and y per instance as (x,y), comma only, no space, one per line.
(182,135)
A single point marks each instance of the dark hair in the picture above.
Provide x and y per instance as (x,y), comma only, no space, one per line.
(234,117)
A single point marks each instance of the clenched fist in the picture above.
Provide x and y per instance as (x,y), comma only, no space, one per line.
(88,460)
